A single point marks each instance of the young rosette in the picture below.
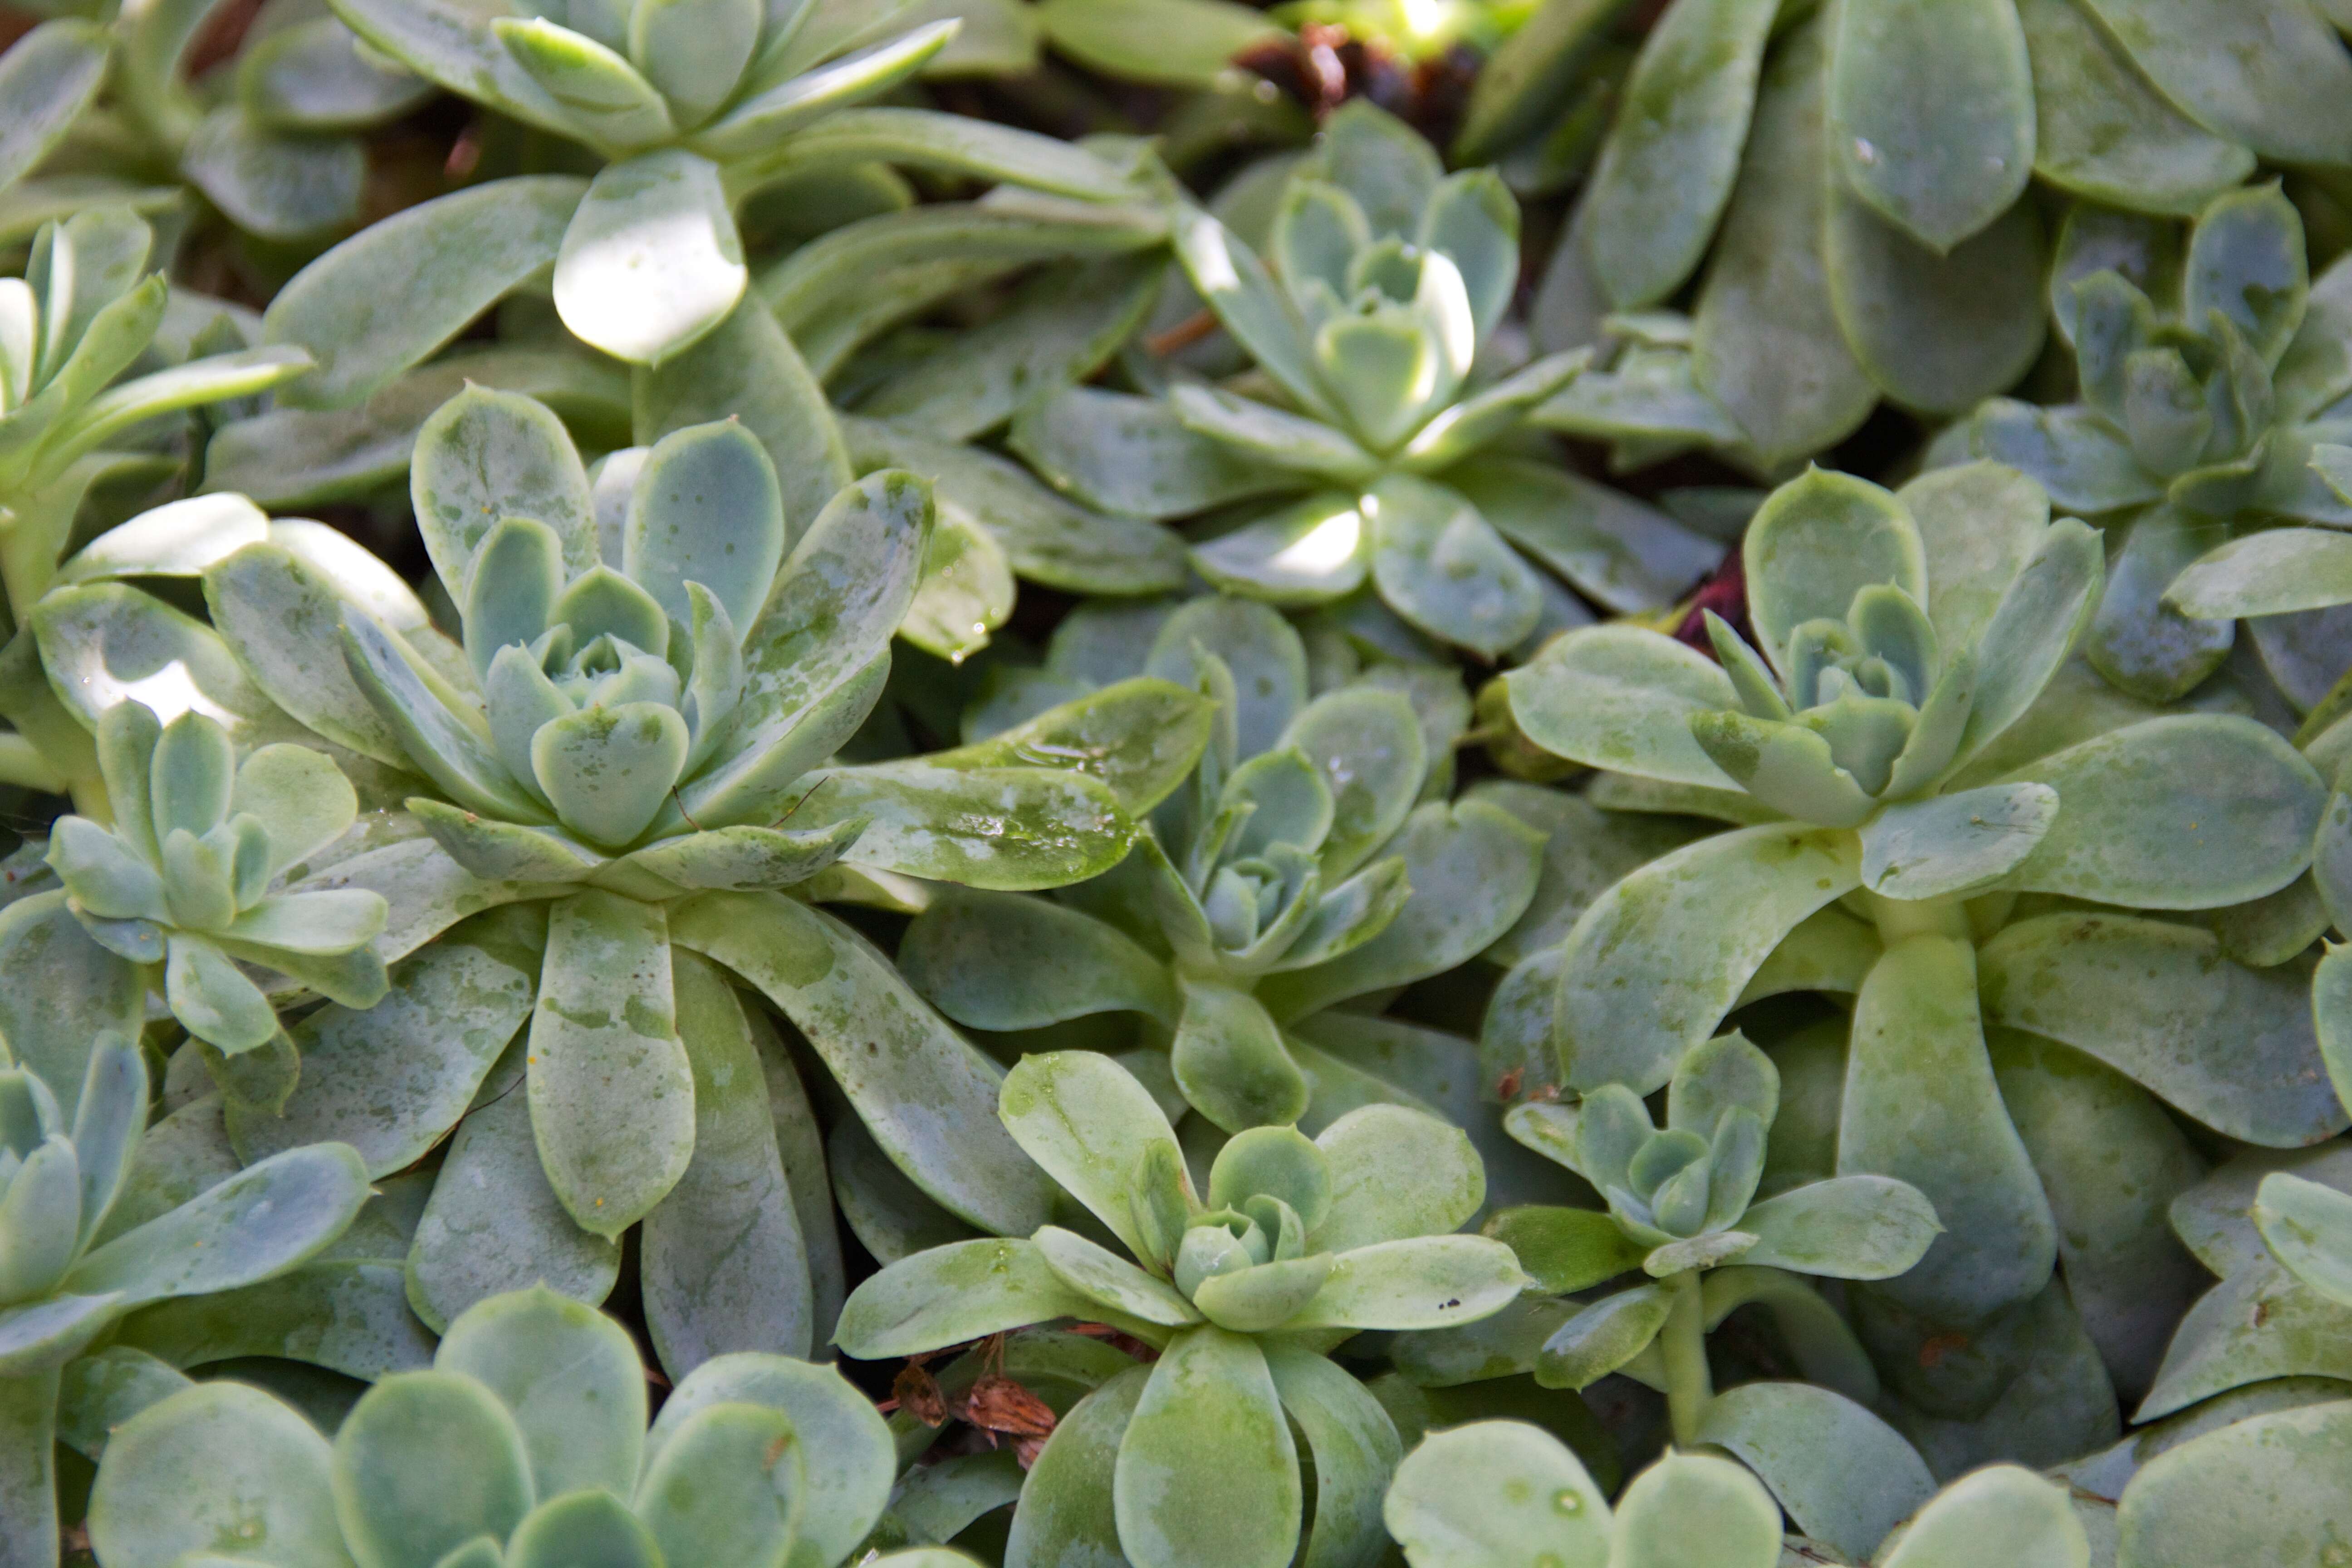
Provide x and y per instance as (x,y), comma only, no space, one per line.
(70,1269)
(524,1446)
(1504,1494)
(2209,390)
(1293,869)
(185,877)
(1681,1204)
(1301,1243)
(1387,280)
(1907,755)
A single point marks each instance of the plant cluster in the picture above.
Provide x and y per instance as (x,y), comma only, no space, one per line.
(1157,783)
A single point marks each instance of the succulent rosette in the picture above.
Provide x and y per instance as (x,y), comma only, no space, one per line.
(1977,850)
(1384,282)
(89,1236)
(1300,1244)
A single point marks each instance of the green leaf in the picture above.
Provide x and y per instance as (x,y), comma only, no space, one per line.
(706,508)
(1355,1446)
(310,75)
(1170,43)
(1921,1106)
(1814,544)
(1847,1227)
(1270,435)
(1132,455)
(948,144)
(216,1461)
(571,1379)
(60,991)
(1229,1059)
(2243,1488)
(651,261)
(2232,1046)
(1209,1423)
(1066,1510)
(611,1093)
(608,771)
(726,1487)
(1765,343)
(1936,332)
(1495,1491)
(1931,113)
(974,955)
(425,1462)
(2073,451)
(2104,133)
(2275,571)
(1666,170)
(1843,1475)
(2267,73)
(1367,1149)
(2147,819)
(2309,1228)
(1231,280)
(1444,568)
(1954,844)
(1010,829)
(1110,1280)
(1622,698)
(946,1295)
(1565,1250)
(1603,1337)
(2026,640)
(1656,961)
(929,1098)
(1415,1282)
(388,297)
(723,1265)
(485,455)
(281,187)
(1689,1509)
(565,1530)
(259,1222)
(47,78)
(1086,1122)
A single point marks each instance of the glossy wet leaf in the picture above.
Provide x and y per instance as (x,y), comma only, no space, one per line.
(651,261)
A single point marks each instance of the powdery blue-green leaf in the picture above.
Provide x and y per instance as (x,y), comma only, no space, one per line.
(570,1377)
(1085,1119)
(2243,1488)
(1497,1491)
(281,187)
(998,961)
(485,455)
(1843,1474)
(217,1459)
(257,1223)
(386,297)
(2000,1514)
(1229,1059)
(564,1529)
(1111,1280)
(1622,698)
(611,1094)
(2186,812)
(47,78)
(1012,829)
(1603,1337)
(1921,1105)
(1415,1282)
(2232,1045)
(2275,571)
(2308,1227)
(1209,1423)
(1066,1506)
(425,1462)
(1954,844)
(2267,73)
(1817,541)
(1444,568)
(1367,1148)
(1132,455)
(1171,43)
(1667,168)
(929,1098)
(1931,113)
(1655,961)
(1848,1227)
(651,261)
(946,1295)
(1691,1508)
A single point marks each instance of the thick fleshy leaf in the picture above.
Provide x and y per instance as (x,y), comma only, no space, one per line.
(1936,332)
(2232,1046)
(996,961)
(2140,641)
(1367,1148)
(1087,1121)
(1132,455)
(2004,1513)
(2243,1488)
(1497,1491)
(260,1222)
(1011,829)
(651,261)
(1230,1061)
(386,298)
(2275,572)
(1139,736)
(1954,844)
(1931,113)
(1764,341)
(280,187)
(2104,133)
(722,1264)
(2187,812)
(1843,1475)
(1355,1446)
(724,1488)
(926,1096)
(1667,169)
(2027,636)
(571,1379)
(1655,961)
(1235,284)
(1618,552)
(1067,1510)
(2268,74)
(1848,1227)
(1921,1105)
(1622,698)
(706,508)
(425,1462)
(217,1460)
(485,455)
(1209,1418)
(611,1089)
(1817,541)
(46,79)
(2308,1227)
(1415,1282)
(59,992)
(1444,568)
(1603,1337)
(946,1295)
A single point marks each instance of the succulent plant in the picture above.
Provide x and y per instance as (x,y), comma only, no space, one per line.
(1681,1204)
(1497,1494)
(183,878)
(1301,1243)
(525,1445)
(1278,880)
(627,767)
(1902,810)
(1388,279)
(694,107)
(2209,382)
(68,1274)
